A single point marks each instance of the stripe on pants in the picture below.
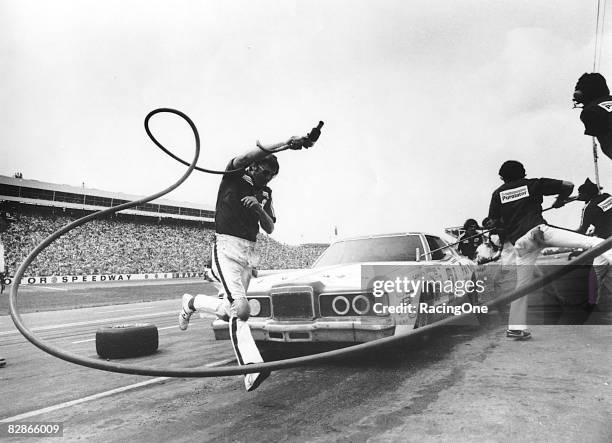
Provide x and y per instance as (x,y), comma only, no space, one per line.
(216,258)
(233,330)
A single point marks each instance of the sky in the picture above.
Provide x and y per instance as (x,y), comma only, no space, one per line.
(422,101)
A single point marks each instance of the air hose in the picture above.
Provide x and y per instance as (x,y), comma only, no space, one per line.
(251,368)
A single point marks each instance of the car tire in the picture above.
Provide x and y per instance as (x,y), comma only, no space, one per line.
(124,341)
(475,301)
(424,318)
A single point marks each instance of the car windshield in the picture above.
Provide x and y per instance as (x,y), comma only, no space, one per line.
(377,249)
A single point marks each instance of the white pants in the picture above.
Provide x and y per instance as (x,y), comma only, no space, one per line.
(528,247)
(233,259)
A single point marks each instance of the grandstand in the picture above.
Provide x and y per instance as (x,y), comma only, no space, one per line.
(34,192)
(162,236)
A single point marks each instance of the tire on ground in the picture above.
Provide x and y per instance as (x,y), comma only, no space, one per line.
(129,340)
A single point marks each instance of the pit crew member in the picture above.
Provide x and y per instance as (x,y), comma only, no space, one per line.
(597,212)
(244,203)
(593,93)
(469,241)
(517,207)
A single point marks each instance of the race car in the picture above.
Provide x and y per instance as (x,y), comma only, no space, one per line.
(362,289)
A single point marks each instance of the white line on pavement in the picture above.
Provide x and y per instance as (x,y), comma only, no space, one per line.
(126,309)
(83,341)
(91,322)
(101,395)
(168,327)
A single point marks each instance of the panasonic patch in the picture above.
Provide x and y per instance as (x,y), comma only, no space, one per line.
(606,105)
(515,194)
(606,204)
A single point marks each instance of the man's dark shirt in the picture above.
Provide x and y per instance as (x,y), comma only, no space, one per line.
(468,247)
(597,117)
(517,205)
(598,212)
(231,216)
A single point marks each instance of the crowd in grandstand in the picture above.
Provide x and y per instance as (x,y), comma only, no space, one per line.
(121,245)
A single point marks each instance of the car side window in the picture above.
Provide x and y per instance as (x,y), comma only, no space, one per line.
(437,243)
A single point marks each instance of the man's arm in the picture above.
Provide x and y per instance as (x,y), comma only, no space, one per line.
(586,220)
(265,221)
(494,215)
(261,151)
(564,192)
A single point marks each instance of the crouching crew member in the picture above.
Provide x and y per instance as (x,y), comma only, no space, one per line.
(517,207)
(597,212)
(593,93)
(470,240)
(244,203)
(596,220)
(490,249)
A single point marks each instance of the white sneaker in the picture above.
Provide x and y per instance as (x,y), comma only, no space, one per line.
(185,313)
(253,380)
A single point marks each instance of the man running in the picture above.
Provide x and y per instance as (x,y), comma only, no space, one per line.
(244,203)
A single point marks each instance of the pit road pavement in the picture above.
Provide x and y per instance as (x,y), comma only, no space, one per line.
(457,384)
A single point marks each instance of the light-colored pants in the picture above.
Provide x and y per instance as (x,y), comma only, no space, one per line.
(528,247)
(233,259)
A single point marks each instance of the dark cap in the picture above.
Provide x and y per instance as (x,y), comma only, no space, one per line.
(511,170)
(591,86)
(588,189)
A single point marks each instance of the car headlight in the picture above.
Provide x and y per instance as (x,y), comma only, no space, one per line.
(361,304)
(260,306)
(339,305)
(255,307)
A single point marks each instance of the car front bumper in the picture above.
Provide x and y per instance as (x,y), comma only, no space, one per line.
(322,330)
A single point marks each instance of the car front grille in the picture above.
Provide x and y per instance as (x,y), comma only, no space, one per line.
(292,305)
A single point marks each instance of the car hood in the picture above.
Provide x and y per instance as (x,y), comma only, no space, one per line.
(335,277)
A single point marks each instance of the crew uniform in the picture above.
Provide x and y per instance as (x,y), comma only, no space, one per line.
(598,212)
(468,247)
(244,204)
(233,261)
(236,227)
(234,256)
(517,205)
(597,117)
